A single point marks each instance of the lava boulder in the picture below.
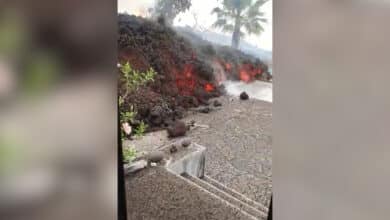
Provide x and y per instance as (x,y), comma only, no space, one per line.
(244,96)
(179,112)
(177,129)
(173,149)
(155,157)
(136,166)
(156,116)
(217,103)
(205,110)
(186,142)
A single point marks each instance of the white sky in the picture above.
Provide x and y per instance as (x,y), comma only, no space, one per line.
(202,8)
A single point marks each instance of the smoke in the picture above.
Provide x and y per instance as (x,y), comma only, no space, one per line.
(257,89)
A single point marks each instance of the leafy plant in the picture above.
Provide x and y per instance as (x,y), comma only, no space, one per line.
(133,78)
(128,116)
(129,154)
(121,101)
(140,130)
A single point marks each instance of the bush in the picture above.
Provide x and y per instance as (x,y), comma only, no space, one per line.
(132,79)
(140,130)
(129,154)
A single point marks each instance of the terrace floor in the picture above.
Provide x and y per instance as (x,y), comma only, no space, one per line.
(238,139)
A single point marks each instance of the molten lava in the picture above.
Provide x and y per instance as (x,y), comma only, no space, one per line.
(228,66)
(186,80)
(244,76)
(208,87)
(248,72)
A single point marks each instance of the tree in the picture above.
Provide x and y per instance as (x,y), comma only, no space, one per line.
(169,9)
(235,15)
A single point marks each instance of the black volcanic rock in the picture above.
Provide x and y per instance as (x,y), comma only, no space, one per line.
(244,96)
(177,129)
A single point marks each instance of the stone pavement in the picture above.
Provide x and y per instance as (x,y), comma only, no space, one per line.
(238,139)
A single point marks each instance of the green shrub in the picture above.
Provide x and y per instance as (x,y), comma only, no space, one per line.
(128,116)
(140,130)
(121,101)
(133,79)
(129,154)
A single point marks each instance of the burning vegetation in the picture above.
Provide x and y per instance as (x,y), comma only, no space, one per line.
(189,71)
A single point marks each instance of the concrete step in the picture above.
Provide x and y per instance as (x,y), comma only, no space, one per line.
(236,194)
(236,199)
(157,193)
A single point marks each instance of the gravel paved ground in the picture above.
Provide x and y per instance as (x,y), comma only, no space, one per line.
(174,198)
(238,139)
(238,143)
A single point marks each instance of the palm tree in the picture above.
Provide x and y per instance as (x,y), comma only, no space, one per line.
(237,14)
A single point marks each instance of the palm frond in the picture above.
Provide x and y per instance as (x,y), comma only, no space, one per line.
(231,5)
(216,10)
(228,28)
(254,13)
(264,20)
(244,4)
(222,13)
(220,23)
(253,28)
(259,3)
(254,10)
(251,18)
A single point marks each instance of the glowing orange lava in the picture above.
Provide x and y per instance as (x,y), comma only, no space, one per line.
(248,73)
(244,76)
(186,80)
(228,66)
(208,87)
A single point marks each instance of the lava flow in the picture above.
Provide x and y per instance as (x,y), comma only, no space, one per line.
(228,66)
(208,87)
(244,76)
(244,72)
(186,80)
(249,73)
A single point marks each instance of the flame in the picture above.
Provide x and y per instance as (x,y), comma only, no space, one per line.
(188,71)
(244,76)
(228,66)
(186,80)
(248,73)
(208,87)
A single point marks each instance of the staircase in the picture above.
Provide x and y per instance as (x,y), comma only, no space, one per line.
(191,167)
(243,203)
(179,189)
